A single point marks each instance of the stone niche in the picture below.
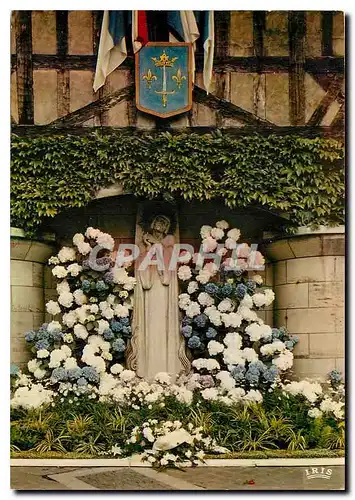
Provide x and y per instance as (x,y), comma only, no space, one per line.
(309,287)
(31,288)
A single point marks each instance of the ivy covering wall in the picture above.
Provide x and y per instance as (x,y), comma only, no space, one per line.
(301,177)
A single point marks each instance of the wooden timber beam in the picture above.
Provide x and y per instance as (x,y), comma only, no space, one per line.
(305,131)
(270,64)
(296,35)
(83,114)
(229,109)
(24,66)
(332,93)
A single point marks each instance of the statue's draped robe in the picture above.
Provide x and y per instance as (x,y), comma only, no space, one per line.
(157,345)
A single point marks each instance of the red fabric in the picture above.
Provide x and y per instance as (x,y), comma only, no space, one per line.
(142,27)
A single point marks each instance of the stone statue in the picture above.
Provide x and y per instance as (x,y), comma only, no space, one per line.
(156,344)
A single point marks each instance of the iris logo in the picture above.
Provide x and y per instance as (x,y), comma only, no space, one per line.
(318,472)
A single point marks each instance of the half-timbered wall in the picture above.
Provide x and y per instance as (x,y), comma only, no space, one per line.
(272,70)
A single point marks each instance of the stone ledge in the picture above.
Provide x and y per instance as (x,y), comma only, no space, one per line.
(297,246)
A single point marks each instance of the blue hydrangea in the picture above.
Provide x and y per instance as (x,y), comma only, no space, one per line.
(270,374)
(194,342)
(42,344)
(241,290)
(100,286)
(211,288)
(258,365)
(186,331)
(108,277)
(251,285)
(74,373)
(252,374)
(335,376)
(14,369)
(59,374)
(227,290)
(186,321)
(119,345)
(116,326)
(294,339)
(124,321)
(201,320)
(55,335)
(90,374)
(126,331)
(238,272)
(82,382)
(211,333)
(289,345)
(86,285)
(276,334)
(238,373)
(30,336)
(108,334)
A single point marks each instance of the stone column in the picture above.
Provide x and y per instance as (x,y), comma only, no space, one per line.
(309,288)
(28,288)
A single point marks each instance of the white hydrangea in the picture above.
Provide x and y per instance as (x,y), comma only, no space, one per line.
(120,275)
(230,244)
(121,311)
(53,261)
(284,361)
(205,231)
(315,413)
(79,297)
(226,380)
(233,356)
(84,248)
(270,349)
(74,269)
(253,396)
(203,276)
(127,375)
(184,301)
(184,273)
(78,238)
(63,287)
(231,320)
(225,305)
(67,254)
(269,296)
(42,353)
(257,332)
(247,314)
(31,397)
(70,363)
(257,278)
(217,233)
(259,299)
(54,326)
(68,338)
(33,365)
(130,283)
(102,325)
(222,224)
(249,354)
(105,240)
(335,407)
(205,299)
(214,347)
(247,301)
(193,309)
(163,378)
(233,339)
(70,318)
(310,390)
(66,299)
(214,316)
(53,308)
(210,394)
(116,369)
(80,331)
(192,287)
(234,234)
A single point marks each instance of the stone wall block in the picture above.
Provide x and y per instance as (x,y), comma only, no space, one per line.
(26,299)
(339,274)
(326,294)
(19,249)
(306,246)
(21,322)
(311,269)
(279,250)
(21,273)
(333,244)
(291,296)
(339,319)
(301,349)
(313,368)
(280,276)
(317,320)
(40,252)
(37,274)
(326,345)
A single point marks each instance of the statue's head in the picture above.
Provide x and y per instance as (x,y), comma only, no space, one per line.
(161,224)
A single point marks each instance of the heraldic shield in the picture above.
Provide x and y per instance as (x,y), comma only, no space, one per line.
(164,78)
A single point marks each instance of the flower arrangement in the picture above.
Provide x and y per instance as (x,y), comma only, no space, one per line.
(94,306)
(231,345)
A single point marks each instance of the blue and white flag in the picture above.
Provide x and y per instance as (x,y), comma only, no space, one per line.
(112,48)
(183,23)
(208,47)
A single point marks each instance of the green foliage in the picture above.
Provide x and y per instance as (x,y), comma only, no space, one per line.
(88,427)
(300,177)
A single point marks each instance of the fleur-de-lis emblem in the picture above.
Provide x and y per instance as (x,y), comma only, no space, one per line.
(179,78)
(149,78)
